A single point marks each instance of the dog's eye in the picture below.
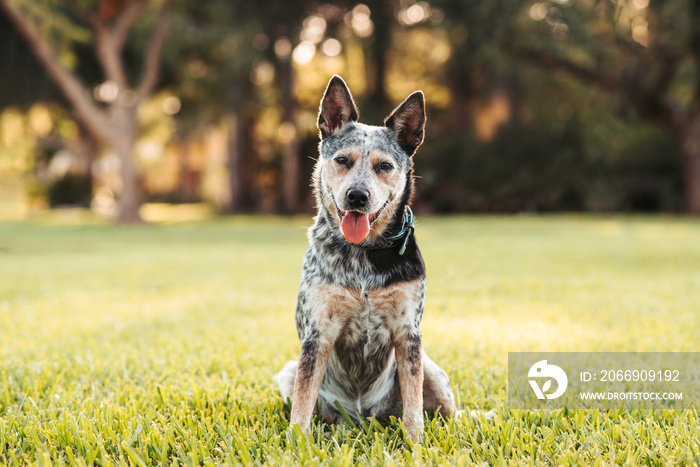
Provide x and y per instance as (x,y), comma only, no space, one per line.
(385,166)
(342,160)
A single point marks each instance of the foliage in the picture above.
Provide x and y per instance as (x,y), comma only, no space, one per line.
(564,104)
(67,190)
(584,162)
(154,345)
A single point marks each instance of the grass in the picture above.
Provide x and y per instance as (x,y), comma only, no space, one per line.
(157,344)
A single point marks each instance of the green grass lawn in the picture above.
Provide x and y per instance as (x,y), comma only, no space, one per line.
(157,344)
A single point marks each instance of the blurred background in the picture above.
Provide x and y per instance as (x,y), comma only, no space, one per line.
(117,106)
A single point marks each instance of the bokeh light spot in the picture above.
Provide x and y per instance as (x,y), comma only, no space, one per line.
(107,92)
(304,52)
(171,105)
(283,48)
(331,47)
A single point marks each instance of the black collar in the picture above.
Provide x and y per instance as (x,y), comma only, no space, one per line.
(402,237)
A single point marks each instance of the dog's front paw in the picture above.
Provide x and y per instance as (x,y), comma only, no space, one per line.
(294,431)
(414,429)
(297,428)
(415,435)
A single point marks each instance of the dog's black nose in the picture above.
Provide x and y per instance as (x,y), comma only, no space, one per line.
(357,198)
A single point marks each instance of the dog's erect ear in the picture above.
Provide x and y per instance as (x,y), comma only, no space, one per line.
(408,122)
(337,107)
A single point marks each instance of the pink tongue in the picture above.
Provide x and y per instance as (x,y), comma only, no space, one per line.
(355,226)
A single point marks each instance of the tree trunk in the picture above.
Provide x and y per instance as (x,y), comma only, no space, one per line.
(290,177)
(240,157)
(464,89)
(239,166)
(460,112)
(377,104)
(186,185)
(290,143)
(87,149)
(690,151)
(130,198)
(691,137)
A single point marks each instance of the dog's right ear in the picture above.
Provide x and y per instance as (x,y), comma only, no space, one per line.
(337,107)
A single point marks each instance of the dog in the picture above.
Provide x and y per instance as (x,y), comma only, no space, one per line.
(362,291)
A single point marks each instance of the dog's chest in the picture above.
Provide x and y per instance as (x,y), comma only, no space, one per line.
(364,346)
(367,326)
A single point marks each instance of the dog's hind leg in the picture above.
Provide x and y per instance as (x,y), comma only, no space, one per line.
(437,390)
(285,380)
(437,394)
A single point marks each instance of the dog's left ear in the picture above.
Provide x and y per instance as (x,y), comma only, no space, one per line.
(408,122)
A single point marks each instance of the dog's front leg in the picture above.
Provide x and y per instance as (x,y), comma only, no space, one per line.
(322,315)
(315,350)
(409,362)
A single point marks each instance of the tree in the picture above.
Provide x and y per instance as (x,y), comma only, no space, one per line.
(476,31)
(209,68)
(234,41)
(642,51)
(114,123)
(377,48)
(282,22)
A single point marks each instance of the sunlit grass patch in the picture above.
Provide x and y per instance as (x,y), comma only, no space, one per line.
(157,344)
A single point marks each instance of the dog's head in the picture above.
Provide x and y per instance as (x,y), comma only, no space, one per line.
(364,173)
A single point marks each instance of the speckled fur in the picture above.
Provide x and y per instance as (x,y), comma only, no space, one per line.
(359,311)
